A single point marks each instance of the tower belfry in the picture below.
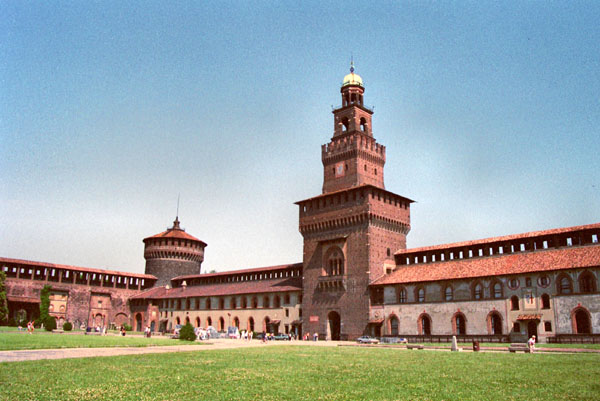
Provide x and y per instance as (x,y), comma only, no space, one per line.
(352,157)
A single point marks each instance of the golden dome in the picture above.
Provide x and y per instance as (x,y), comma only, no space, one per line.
(352,79)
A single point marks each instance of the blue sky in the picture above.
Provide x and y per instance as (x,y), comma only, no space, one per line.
(490,112)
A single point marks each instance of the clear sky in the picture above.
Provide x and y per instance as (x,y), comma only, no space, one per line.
(490,112)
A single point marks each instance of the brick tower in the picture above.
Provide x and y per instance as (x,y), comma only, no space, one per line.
(173,253)
(353,228)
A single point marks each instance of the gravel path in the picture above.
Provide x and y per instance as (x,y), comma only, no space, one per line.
(37,354)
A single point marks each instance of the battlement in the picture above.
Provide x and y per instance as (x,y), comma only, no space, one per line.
(352,142)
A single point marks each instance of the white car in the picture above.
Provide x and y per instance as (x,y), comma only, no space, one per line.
(367,340)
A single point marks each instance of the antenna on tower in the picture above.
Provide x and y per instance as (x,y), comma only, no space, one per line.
(177,215)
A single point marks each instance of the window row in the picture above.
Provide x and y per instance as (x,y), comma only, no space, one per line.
(234,303)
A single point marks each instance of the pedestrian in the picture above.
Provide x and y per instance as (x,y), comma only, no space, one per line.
(531,344)
(316,336)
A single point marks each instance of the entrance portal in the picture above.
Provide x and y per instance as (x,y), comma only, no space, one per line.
(532,328)
(333,326)
(582,322)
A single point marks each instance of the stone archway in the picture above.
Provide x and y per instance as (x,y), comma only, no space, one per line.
(333,326)
(582,323)
(138,322)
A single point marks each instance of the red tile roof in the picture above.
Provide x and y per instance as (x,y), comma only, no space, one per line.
(237,288)
(506,238)
(32,264)
(515,263)
(243,271)
(174,233)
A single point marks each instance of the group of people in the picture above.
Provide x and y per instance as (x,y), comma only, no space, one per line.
(307,337)
(246,335)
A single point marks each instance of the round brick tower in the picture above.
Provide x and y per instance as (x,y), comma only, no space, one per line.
(173,253)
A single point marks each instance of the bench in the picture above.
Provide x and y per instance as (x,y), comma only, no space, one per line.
(514,347)
(415,346)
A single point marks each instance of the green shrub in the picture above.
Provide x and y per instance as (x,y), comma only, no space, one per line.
(50,323)
(67,326)
(187,333)
(127,327)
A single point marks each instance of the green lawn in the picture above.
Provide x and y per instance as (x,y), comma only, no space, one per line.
(505,345)
(40,339)
(307,373)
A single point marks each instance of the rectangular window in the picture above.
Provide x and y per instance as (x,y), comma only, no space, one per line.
(548,326)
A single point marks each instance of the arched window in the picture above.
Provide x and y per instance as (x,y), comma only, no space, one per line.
(221,324)
(208,321)
(266,302)
(514,303)
(420,294)
(345,124)
(394,324)
(424,325)
(244,303)
(334,262)
(448,293)
(401,295)
(221,303)
(363,124)
(545,301)
(286,299)
(233,303)
(565,286)
(236,322)
(459,324)
(478,291)
(276,302)
(497,290)
(208,303)
(197,322)
(254,302)
(587,282)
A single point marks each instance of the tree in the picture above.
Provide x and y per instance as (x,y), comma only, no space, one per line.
(45,304)
(3,301)
(187,333)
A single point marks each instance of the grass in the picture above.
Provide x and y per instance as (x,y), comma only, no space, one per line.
(43,340)
(306,373)
(505,345)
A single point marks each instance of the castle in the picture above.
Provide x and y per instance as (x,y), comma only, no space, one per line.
(356,276)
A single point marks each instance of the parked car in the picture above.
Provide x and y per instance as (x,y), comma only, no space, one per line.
(367,340)
(283,337)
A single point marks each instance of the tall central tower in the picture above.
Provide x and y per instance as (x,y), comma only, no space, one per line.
(353,228)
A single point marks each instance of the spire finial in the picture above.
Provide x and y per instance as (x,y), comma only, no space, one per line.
(351,63)
(176,222)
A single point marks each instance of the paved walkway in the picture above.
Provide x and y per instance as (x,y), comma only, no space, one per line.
(33,355)
(37,354)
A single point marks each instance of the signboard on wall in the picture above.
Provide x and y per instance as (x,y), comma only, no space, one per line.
(314,319)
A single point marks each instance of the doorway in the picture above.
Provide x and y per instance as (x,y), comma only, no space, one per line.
(333,326)
(532,328)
